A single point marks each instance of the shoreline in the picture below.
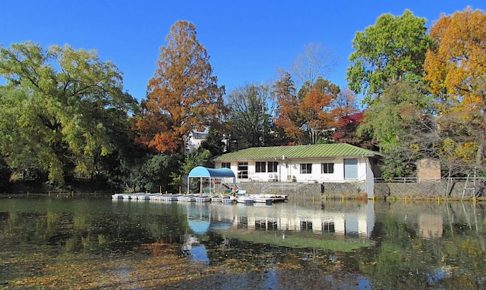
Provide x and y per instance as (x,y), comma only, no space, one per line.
(332,197)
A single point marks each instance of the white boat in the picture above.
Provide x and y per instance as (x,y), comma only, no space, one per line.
(246,199)
(169,197)
(269,198)
(186,198)
(223,198)
(203,198)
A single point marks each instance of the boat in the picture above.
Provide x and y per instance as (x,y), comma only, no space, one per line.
(270,198)
(187,198)
(245,199)
(261,198)
(169,197)
(223,198)
(202,198)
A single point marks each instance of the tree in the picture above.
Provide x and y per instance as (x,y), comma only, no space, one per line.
(402,122)
(4,175)
(154,174)
(391,50)
(214,142)
(251,109)
(197,158)
(308,116)
(313,62)
(316,107)
(182,96)
(59,109)
(347,131)
(289,118)
(345,103)
(456,70)
(348,120)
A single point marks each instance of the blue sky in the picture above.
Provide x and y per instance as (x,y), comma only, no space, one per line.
(248,41)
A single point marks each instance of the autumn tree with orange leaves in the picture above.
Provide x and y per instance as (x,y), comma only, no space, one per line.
(289,116)
(456,70)
(306,117)
(182,96)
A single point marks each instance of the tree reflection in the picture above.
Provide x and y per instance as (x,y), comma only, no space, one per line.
(412,253)
(88,232)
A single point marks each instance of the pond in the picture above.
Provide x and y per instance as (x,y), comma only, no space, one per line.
(94,243)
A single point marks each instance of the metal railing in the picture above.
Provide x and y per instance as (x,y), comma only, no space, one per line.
(414,179)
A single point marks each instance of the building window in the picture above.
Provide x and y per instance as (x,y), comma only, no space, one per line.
(243,170)
(272,166)
(327,168)
(306,226)
(260,167)
(305,168)
(225,164)
(328,227)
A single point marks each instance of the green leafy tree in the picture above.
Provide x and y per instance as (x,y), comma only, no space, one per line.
(59,109)
(214,142)
(197,158)
(402,122)
(4,175)
(392,49)
(154,174)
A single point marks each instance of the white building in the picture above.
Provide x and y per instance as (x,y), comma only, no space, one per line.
(304,163)
(194,140)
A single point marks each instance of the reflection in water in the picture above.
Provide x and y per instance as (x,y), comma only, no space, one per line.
(338,245)
(357,221)
(430,226)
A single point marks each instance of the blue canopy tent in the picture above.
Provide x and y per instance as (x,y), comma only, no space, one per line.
(210,173)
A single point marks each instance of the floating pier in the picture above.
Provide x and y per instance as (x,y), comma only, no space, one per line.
(225,199)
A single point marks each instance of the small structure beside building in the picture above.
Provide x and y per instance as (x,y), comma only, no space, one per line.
(428,170)
(210,178)
(319,163)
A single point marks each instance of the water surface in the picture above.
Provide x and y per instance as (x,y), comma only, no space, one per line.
(342,245)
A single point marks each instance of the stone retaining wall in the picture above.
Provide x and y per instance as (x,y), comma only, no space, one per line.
(422,189)
(314,191)
(304,191)
(295,190)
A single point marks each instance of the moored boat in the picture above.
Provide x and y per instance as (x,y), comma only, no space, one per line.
(202,198)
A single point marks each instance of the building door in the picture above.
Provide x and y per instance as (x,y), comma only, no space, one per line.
(350,169)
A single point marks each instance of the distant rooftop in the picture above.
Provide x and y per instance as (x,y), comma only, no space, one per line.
(299,151)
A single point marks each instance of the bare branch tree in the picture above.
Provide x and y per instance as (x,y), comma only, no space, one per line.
(316,60)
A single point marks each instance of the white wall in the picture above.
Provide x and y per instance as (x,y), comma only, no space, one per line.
(292,168)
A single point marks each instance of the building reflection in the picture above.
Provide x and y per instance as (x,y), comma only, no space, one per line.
(430,226)
(357,221)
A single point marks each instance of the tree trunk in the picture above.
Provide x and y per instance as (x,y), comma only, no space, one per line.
(479,153)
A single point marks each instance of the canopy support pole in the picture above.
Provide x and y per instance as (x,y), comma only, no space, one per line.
(188,184)
(200,185)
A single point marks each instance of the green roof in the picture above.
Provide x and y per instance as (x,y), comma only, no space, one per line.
(299,240)
(297,152)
